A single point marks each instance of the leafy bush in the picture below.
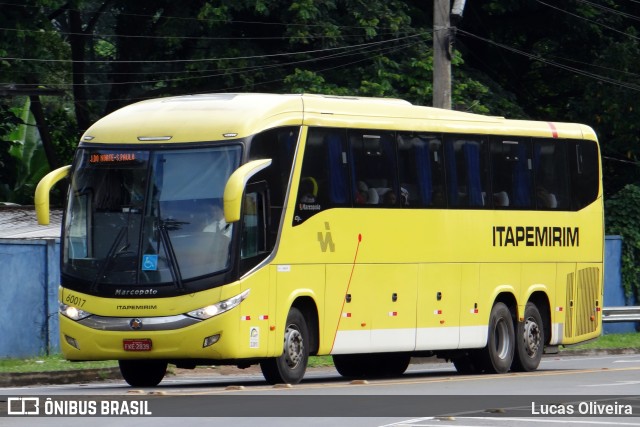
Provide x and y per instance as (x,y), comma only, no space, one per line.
(622,213)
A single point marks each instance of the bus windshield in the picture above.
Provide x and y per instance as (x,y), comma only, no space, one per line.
(137,218)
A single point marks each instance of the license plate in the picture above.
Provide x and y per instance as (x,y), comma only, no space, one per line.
(137,345)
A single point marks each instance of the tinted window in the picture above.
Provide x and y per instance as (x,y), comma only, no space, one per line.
(512,180)
(325,175)
(550,172)
(583,159)
(467,171)
(374,168)
(421,170)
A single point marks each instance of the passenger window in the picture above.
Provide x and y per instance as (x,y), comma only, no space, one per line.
(550,173)
(467,171)
(512,173)
(421,170)
(323,181)
(374,169)
(585,171)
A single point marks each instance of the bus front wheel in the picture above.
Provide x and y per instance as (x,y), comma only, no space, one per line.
(143,373)
(529,340)
(289,368)
(498,354)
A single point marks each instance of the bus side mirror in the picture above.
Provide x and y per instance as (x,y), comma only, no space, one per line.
(42,192)
(235,188)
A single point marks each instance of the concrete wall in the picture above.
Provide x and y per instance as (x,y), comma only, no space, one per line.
(29,278)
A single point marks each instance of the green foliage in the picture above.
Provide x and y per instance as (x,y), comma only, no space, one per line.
(116,52)
(622,213)
(27,157)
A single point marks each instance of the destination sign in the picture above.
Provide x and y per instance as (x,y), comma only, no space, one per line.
(113,157)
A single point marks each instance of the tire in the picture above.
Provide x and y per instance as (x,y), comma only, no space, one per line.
(377,365)
(497,356)
(468,363)
(351,365)
(290,366)
(529,340)
(390,364)
(143,373)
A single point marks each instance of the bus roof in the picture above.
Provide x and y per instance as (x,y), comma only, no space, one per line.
(210,117)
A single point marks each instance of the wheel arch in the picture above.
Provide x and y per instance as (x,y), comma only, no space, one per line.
(541,301)
(508,299)
(309,310)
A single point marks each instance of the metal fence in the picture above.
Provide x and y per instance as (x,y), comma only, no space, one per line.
(621,314)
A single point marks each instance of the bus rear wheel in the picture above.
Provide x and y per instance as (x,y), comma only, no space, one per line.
(143,373)
(289,368)
(371,365)
(529,340)
(498,354)
(468,363)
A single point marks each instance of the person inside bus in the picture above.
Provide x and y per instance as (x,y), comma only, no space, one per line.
(366,195)
(216,222)
(501,199)
(389,198)
(308,190)
(545,199)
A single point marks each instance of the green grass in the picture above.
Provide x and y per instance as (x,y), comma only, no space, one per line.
(610,341)
(320,361)
(57,363)
(50,363)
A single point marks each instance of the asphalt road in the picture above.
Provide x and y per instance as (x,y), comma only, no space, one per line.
(427,395)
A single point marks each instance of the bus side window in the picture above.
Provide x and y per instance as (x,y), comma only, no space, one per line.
(512,173)
(421,170)
(583,161)
(467,171)
(323,180)
(374,168)
(550,174)
(254,236)
(279,145)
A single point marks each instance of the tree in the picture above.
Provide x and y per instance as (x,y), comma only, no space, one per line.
(623,210)
(569,62)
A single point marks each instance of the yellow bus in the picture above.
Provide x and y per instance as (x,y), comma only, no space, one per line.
(262,229)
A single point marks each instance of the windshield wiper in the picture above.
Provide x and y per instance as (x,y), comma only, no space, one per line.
(111,254)
(174,267)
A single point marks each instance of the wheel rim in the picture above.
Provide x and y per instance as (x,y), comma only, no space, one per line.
(531,337)
(293,347)
(501,339)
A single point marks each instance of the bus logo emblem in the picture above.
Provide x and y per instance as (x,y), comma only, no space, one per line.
(325,239)
(135,324)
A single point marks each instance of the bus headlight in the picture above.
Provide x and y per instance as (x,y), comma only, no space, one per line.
(218,308)
(72,313)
